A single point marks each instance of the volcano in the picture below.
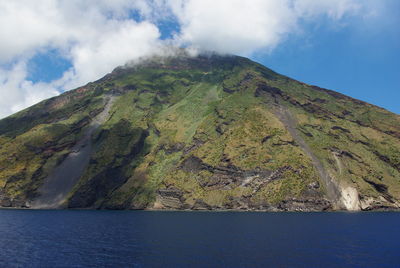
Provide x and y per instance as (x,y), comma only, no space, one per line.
(201,133)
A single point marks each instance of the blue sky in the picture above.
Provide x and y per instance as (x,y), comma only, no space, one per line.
(349,46)
(361,60)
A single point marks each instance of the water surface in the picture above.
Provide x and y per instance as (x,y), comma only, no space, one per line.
(62,238)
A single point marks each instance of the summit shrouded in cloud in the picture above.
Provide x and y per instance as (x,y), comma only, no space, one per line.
(93,37)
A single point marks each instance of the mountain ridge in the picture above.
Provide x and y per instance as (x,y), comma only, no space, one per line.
(205,132)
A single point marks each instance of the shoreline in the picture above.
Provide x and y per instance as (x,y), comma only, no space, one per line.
(207,210)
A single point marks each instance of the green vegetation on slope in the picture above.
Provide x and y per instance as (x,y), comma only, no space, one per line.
(203,133)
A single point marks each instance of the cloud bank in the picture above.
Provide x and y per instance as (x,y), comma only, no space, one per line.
(97,36)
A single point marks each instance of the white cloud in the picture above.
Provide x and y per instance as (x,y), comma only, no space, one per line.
(111,48)
(334,9)
(94,37)
(97,36)
(17,93)
(242,27)
(234,26)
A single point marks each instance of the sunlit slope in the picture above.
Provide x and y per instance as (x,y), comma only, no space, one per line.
(205,133)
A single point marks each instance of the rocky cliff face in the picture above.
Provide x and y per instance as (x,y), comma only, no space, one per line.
(201,133)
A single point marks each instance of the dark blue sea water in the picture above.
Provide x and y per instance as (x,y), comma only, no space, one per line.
(48,238)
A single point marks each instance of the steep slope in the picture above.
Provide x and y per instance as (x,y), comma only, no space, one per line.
(63,177)
(209,132)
